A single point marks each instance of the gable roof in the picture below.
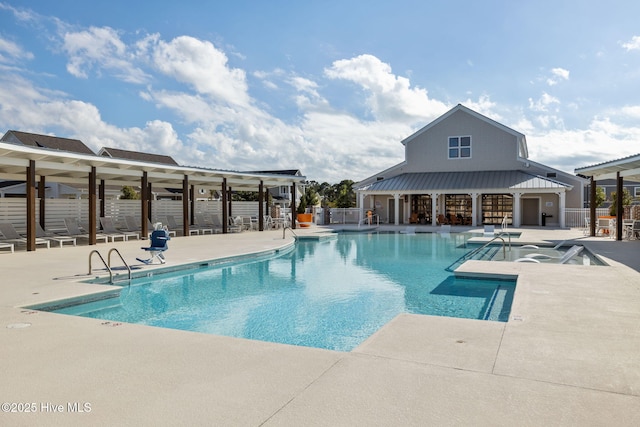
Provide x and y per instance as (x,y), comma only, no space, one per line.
(117,153)
(522,141)
(46,141)
(451,181)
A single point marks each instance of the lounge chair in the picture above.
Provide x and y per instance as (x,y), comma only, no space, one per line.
(48,235)
(489,230)
(535,257)
(74,231)
(9,246)
(173,225)
(11,236)
(201,225)
(158,246)
(215,222)
(408,230)
(113,232)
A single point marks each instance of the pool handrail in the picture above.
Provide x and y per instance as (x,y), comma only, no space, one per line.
(464,257)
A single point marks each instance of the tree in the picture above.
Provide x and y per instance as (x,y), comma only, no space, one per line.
(345,197)
(626,201)
(600,197)
(308,198)
(129,193)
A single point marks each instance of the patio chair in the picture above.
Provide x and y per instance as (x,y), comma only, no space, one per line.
(111,231)
(635,230)
(268,223)
(157,247)
(235,225)
(215,222)
(48,235)
(201,224)
(173,225)
(73,229)
(9,246)
(132,224)
(12,236)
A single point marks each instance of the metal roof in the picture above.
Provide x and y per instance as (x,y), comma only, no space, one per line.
(628,167)
(64,166)
(464,181)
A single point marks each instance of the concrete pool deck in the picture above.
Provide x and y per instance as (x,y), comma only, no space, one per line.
(569,354)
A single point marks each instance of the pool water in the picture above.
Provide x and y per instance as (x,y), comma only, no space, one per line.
(331,294)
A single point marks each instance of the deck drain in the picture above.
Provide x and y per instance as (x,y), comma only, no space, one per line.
(20,325)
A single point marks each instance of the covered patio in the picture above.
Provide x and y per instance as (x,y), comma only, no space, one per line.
(620,169)
(37,166)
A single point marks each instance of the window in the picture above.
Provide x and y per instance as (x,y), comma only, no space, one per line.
(459,147)
(636,191)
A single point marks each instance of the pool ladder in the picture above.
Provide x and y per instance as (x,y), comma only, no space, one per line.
(108,263)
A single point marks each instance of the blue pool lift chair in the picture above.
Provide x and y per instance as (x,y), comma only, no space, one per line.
(159,238)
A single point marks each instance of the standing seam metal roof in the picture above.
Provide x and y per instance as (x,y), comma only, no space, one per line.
(482,180)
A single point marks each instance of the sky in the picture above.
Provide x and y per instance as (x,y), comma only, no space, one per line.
(328,87)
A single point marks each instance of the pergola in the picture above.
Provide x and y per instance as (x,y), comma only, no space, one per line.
(25,163)
(620,169)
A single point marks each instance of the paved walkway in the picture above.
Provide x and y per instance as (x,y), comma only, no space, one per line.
(569,355)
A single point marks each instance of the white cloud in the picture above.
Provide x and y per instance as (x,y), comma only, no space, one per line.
(566,150)
(391,97)
(631,111)
(543,103)
(100,48)
(221,125)
(11,52)
(557,75)
(633,44)
(199,64)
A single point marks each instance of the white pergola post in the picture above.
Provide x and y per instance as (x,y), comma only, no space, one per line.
(561,207)
(396,208)
(361,204)
(474,209)
(516,209)
(434,208)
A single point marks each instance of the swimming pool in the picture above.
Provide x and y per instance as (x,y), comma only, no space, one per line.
(329,294)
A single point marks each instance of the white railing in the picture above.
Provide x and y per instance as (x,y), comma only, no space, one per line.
(345,215)
(577,217)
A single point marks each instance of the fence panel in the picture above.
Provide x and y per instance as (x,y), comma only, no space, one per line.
(577,217)
(345,215)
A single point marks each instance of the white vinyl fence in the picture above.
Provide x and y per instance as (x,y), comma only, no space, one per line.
(577,218)
(14,210)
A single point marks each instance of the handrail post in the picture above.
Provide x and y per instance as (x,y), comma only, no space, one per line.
(121,258)
(105,264)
